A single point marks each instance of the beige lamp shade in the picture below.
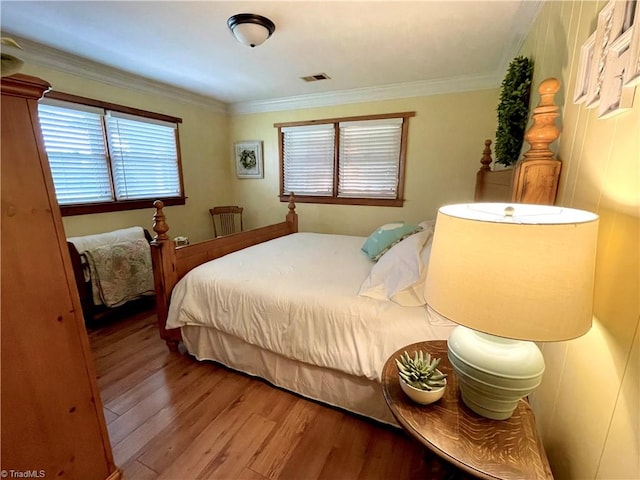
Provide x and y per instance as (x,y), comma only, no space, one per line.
(527,274)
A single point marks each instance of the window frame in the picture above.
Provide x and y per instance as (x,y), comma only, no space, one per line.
(120,205)
(334,199)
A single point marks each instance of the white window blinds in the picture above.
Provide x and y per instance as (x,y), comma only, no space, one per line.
(105,156)
(74,142)
(366,165)
(370,158)
(143,156)
(308,159)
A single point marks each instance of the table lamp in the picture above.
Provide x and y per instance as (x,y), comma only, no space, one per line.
(509,275)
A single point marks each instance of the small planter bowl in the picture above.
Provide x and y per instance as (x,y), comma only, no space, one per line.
(423,397)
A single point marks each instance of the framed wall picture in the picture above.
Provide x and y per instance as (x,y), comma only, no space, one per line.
(584,69)
(609,28)
(248,158)
(630,17)
(614,97)
(632,73)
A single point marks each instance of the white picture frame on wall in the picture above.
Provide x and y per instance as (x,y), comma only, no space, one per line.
(584,69)
(609,28)
(632,73)
(614,97)
(629,14)
(248,159)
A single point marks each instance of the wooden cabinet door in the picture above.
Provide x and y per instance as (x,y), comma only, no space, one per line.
(51,414)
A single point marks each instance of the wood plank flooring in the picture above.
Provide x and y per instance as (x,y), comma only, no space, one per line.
(172,417)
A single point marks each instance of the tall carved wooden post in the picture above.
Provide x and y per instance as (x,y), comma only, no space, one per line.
(292,216)
(537,174)
(163,255)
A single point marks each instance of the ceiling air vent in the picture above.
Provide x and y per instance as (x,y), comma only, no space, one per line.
(316,77)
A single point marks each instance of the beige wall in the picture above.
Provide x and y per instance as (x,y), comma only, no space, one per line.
(204,146)
(445,145)
(442,158)
(588,405)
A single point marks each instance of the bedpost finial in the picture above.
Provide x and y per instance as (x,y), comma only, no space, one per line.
(159,224)
(543,131)
(547,90)
(292,216)
(486,159)
(550,85)
(292,203)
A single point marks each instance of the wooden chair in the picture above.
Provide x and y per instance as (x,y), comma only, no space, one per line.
(226,220)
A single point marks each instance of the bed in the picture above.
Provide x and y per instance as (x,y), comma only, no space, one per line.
(307,312)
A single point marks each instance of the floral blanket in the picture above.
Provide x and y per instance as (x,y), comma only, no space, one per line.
(120,272)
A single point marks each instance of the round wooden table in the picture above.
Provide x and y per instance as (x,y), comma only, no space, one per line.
(485,448)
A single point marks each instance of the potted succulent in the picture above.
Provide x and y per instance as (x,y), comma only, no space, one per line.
(420,378)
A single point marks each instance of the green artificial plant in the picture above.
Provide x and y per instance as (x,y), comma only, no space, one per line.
(513,110)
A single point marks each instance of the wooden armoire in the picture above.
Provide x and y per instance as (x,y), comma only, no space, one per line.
(52,419)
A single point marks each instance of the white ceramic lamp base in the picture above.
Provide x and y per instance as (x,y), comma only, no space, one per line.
(494,373)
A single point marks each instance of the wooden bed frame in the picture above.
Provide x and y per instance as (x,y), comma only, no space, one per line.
(171,263)
(534,180)
(492,185)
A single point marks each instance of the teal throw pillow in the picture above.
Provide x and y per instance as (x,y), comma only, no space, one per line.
(386,236)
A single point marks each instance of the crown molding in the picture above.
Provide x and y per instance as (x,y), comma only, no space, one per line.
(42,55)
(369,94)
(39,54)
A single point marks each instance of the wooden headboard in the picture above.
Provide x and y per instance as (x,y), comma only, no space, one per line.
(535,177)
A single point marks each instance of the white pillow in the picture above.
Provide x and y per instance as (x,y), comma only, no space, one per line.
(413,295)
(400,273)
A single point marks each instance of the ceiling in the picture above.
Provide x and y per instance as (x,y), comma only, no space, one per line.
(372,49)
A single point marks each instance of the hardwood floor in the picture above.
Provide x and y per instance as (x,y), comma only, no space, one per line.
(172,417)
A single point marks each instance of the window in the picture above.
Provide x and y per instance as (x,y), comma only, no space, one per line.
(106,157)
(355,160)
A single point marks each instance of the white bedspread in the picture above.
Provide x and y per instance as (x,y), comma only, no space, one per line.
(298,296)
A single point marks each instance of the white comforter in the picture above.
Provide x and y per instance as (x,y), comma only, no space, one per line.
(298,296)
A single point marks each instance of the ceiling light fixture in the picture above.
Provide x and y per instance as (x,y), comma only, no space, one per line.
(250,29)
